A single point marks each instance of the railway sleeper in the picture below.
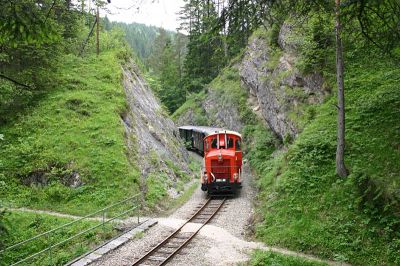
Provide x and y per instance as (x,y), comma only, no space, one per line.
(171,246)
(164,251)
(207,213)
(180,243)
(203,216)
(154,258)
(182,237)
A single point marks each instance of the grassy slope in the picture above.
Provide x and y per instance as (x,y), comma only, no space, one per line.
(75,127)
(26,225)
(306,207)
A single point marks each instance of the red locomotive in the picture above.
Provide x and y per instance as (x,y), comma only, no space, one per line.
(222,152)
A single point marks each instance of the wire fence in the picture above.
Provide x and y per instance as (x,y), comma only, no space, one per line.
(99,218)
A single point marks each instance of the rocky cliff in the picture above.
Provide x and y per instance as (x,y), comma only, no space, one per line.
(283,93)
(275,90)
(152,138)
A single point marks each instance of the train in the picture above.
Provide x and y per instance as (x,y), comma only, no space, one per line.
(222,152)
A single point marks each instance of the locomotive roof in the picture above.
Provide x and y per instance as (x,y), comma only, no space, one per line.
(209,130)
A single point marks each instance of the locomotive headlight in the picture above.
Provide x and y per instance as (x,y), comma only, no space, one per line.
(235,176)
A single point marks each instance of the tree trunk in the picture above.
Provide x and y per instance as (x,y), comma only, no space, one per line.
(83,6)
(97,32)
(340,166)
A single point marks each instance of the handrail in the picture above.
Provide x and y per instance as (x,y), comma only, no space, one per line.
(103,222)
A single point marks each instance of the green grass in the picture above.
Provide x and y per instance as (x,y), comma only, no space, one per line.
(304,206)
(156,188)
(23,225)
(74,129)
(269,258)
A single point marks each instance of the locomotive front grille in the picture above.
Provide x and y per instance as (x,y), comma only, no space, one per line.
(221,169)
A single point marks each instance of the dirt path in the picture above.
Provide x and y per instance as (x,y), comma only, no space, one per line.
(122,223)
(52,213)
(222,242)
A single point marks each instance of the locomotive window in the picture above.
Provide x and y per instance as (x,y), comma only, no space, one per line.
(238,145)
(206,144)
(230,143)
(214,143)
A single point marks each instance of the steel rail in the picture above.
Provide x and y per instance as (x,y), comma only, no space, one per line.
(193,235)
(182,245)
(169,237)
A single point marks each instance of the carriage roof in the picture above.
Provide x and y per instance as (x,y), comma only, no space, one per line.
(208,131)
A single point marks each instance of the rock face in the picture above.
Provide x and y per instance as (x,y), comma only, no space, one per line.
(281,90)
(188,118)
(152,138)
(214,109)
(220,112)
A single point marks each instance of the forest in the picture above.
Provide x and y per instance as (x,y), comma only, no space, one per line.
(327,173)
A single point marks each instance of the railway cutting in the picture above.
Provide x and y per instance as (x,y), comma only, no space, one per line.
(170,246)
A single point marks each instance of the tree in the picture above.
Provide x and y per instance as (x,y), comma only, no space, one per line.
(171,93)
(33,35)
(340,166)
(158,49)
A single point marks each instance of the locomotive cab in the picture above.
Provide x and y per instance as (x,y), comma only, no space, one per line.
(223,162)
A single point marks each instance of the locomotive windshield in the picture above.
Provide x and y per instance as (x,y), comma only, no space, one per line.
(214,143)
(238,144)
(230,143)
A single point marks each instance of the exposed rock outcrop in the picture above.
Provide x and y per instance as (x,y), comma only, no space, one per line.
(214,109)
(221,112)
(152,138)
(281,90)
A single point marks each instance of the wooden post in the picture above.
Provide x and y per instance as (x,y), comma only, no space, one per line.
(97,32)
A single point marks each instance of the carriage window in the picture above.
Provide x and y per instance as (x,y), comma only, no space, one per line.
(214,143)
(230,143)
(238,145)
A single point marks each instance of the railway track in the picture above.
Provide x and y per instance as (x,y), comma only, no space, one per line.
(170,246)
